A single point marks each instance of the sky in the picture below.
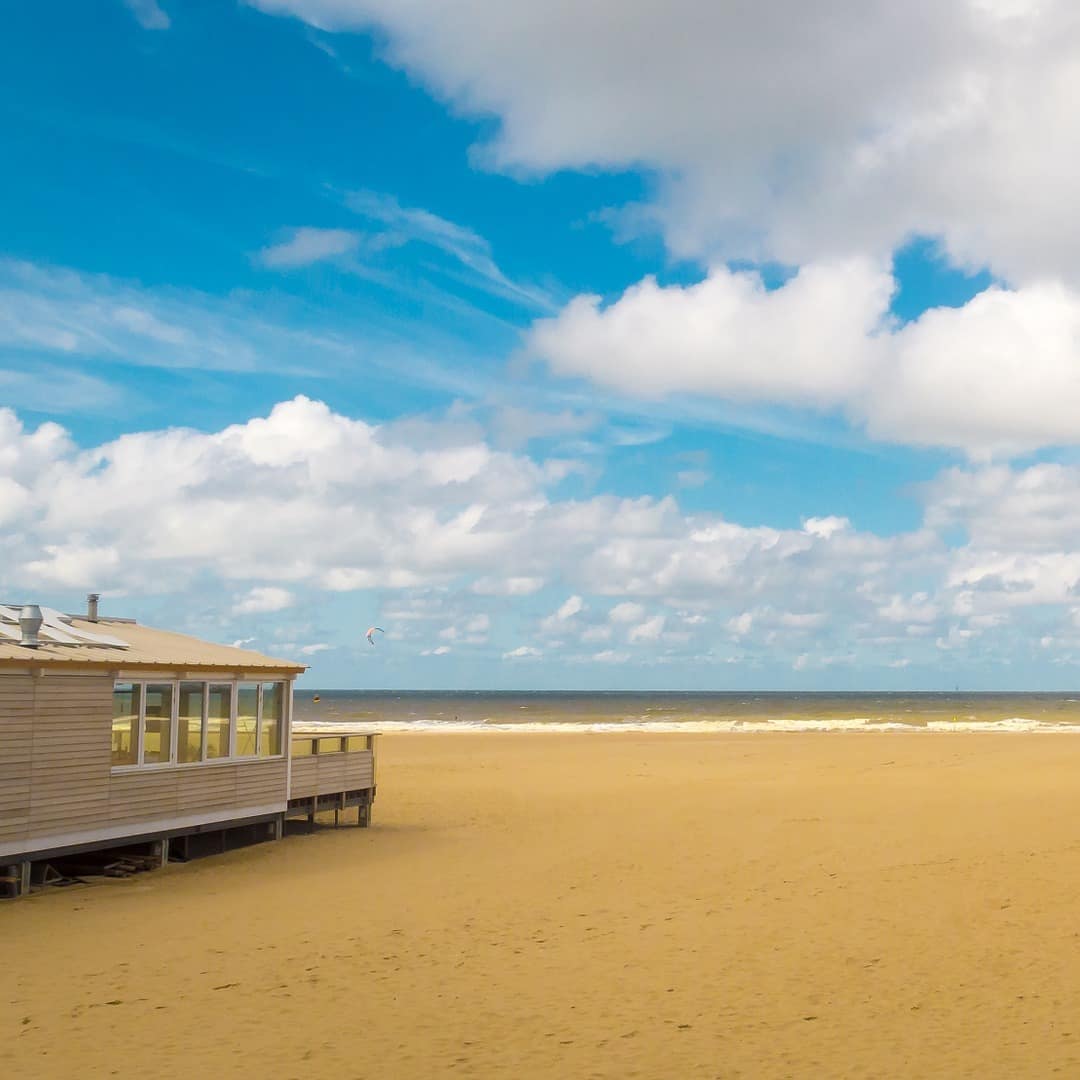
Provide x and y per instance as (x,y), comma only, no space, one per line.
(607,346)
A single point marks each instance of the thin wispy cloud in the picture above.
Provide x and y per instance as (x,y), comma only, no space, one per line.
(54,310)
(150,14)
(401,225)
(53,315)
(307,245)
(55,390)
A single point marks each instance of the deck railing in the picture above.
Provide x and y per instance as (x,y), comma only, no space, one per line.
(306,744)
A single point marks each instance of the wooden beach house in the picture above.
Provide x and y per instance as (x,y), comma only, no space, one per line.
(114,735)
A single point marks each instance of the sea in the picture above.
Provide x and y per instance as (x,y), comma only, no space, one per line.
(690,712)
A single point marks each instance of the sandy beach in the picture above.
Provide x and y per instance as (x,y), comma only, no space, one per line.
(535,905)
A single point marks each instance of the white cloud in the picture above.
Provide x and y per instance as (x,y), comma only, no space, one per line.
(306,246)
(887,121)
(513,426)
(263,598)
(556,622)
(825,526)
(802,620)
(522,652)
(473,631)
(48,388)
(689,478)
(74,563)
(913,609)
(886,125)
(69,316)
(306,500)
(649,630)
(406,225)
(514,586)
(995,376)
(149,14)
(626,612)
(998,374)
(569,608)
(610,656)
(803,344)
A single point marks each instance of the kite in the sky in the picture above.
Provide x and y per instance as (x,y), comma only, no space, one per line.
(370,635)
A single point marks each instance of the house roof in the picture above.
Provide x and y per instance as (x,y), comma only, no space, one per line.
(120,643)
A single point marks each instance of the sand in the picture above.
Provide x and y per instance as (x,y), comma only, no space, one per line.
(534,905)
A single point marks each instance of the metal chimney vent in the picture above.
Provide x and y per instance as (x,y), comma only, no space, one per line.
(30,621)
(91,606)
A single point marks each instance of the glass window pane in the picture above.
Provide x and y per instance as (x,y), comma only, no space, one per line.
(157,723)
(125,725)
(247,705)
(273,707)
(218,720)
(303,746)
(189,738)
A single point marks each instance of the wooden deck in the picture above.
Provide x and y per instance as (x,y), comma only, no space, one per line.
(332,771)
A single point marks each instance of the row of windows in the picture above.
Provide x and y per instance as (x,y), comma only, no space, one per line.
(160,723)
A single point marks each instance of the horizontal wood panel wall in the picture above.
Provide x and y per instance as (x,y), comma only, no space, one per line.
(153,794)
(56,776)
(323,774)
(16,751)
(54,754)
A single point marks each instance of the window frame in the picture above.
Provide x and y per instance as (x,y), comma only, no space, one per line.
(136,723)
(141,765)
(203,733)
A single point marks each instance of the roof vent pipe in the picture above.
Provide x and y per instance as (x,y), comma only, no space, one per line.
(91,606)
(30,621)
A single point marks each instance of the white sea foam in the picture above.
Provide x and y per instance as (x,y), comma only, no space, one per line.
(869,725)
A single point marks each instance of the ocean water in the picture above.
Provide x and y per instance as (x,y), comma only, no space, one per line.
(388,710)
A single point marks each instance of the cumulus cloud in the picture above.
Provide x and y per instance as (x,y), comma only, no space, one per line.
(649,630)
(263,598)
(996,376)
(826,526)
(513,586)
(557,620)
(522,652)
(887,120)
(626,612)
(804,343)
(304,501)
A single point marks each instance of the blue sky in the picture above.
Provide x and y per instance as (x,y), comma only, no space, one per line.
(568,371)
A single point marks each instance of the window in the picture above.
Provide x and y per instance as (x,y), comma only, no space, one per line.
(273,701)
(157,723)
(186,723)
(218,720)
(190,738)
(247,715)
(125,725)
